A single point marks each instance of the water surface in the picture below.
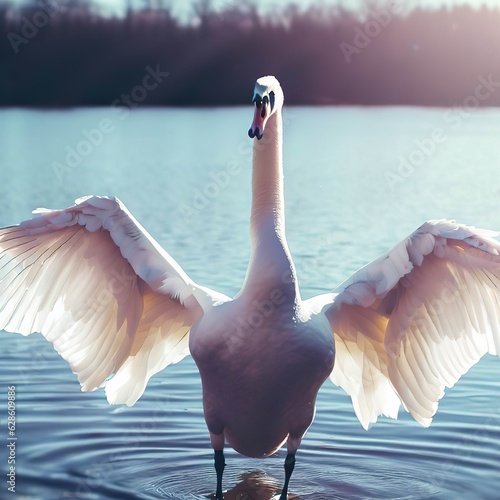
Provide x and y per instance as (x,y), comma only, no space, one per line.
(357,182)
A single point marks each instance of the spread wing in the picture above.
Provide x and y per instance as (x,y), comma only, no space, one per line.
(415,320)
(97,286)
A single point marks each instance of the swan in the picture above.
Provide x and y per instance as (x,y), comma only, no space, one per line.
(118,308)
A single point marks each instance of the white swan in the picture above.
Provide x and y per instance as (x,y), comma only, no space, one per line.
(112,301)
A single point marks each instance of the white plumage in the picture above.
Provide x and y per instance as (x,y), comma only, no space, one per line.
(102,291)
(415,320)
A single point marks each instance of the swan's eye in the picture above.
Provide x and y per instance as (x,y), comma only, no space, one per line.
(257,99)
(272,98)
(265,101)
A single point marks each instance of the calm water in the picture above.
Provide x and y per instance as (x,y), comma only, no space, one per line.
(351,194)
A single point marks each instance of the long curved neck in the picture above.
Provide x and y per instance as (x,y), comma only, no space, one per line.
(267,178)
(270,267)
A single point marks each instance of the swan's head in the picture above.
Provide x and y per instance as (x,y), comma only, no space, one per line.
(268,99)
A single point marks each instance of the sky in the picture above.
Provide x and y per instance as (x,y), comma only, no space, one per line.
(348,3)
(183,8)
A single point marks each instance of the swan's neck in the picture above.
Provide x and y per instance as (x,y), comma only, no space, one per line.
(267,178)
(271,267)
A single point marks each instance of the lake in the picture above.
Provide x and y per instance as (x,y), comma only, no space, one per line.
(357,181)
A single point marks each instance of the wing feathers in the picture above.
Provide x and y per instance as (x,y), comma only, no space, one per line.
(101,290)
(415,320)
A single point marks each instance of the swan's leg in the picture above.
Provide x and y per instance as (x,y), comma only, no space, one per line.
(292,446)
(218,446)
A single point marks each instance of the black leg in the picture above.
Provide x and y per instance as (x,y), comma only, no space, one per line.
(289,465)
(219,469)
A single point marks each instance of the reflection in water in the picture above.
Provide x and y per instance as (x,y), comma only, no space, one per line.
(254,485)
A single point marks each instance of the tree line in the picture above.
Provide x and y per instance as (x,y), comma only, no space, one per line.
(64,53)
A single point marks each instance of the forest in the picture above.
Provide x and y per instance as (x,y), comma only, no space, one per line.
(64,53)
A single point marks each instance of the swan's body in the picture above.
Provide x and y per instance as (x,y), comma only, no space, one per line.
(113,302)
(241,367)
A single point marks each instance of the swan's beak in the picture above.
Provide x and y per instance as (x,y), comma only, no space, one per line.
(262,113)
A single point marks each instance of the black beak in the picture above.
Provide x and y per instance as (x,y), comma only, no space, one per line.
(255,133)
(257,128)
